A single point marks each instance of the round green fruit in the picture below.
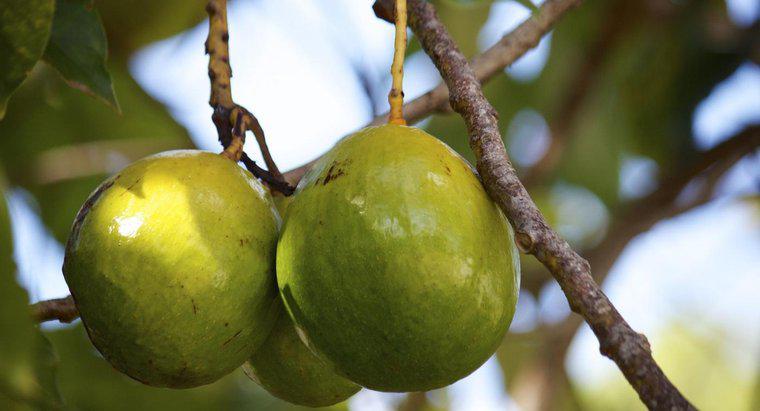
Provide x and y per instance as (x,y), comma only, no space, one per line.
(171,265)
(286,368)
(395,264)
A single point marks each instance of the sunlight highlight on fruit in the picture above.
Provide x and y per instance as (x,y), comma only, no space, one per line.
(171,265)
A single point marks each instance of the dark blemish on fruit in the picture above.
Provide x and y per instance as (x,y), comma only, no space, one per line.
(195,308)
(226,324)
(131,186)
(333,173)
(244,241)
(86,207)
(231,338)
(448,170)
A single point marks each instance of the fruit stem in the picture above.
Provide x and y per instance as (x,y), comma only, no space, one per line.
(219,55)
(232,121)
(396,96)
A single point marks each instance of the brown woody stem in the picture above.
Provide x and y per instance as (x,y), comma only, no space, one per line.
(396,95)
(61,309)
(232,120)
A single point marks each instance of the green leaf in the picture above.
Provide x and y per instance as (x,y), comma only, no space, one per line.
(78,49)
(24,31)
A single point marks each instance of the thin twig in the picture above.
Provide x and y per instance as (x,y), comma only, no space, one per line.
(275,183)
(233,120)
(618,341)
(61,309)
(396,95)
(506,51)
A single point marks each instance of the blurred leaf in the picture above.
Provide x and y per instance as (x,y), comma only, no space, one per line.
(46,371)
(533,371)
(464,20)
(88,382)
(24,31)
(663,71)
(60,201)
(593,156)
(136,23)
(63,148)
(27,360)
(78,49)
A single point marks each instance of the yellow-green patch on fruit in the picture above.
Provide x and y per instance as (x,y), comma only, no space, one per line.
(171,265)
(395,264)
(286,368)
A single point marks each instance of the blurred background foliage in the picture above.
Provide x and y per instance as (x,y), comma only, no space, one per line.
(622,81)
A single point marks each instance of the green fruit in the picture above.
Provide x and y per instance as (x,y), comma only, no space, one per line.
(171,264)
(395,264)
(282,202)
(288,370)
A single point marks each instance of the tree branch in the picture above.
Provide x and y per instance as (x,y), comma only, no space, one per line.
(232,120)
(61,309)
(618,341)
(644,213)
(491,62)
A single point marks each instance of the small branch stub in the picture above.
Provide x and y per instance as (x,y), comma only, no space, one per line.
(61,309)
(396,95)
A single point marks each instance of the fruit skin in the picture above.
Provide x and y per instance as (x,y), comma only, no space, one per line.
(282,202)
(171,265)
(395,264)
(286,368)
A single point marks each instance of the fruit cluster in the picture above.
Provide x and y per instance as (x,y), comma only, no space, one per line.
(392,270)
